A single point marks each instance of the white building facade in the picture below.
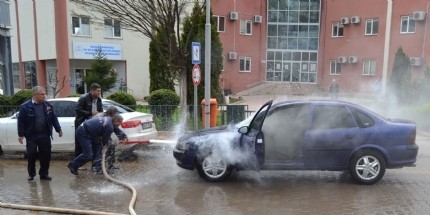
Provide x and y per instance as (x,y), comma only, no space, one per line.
(54,42)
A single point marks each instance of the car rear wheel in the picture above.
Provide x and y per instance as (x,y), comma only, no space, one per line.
(214,168)
(367,167)
(1,150)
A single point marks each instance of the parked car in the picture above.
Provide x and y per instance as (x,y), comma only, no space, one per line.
(137,125)
(302,135)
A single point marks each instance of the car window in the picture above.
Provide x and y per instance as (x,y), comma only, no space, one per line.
(121,108)
(284,129)
(363,120)
(64,108)
(332,117)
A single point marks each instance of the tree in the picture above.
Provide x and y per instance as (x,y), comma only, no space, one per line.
(148,18)
(198,18)
(101,72)
(161,76)
(400,80)
(53,83)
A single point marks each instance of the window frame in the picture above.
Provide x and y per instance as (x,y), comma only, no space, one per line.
(371,22)
(217,20)
(367,67)
(339,29)
(409,20)
(338,67)
(243,63)
(79,31)
(246,27)
(112,28)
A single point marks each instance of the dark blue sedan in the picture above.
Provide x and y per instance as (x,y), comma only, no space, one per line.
(302,135)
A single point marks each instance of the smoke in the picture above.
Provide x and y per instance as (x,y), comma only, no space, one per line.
(224,145)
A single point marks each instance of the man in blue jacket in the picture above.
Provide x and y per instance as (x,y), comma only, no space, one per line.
(89,134)
(35,121)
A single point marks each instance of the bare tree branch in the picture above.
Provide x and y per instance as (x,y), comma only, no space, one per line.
(150,18)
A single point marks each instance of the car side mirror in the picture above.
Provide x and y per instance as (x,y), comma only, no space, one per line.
(244,130)
(15,116)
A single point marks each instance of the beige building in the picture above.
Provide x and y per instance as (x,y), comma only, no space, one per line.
(49,36)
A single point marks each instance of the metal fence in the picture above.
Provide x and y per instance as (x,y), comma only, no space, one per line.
(166,117)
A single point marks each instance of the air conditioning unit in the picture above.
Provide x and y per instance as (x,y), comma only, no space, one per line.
(233,16)
(342,59)
(419,15)
(352,59)
(355,19)
(232,55)
(344,20)
(258,19)
(5,26)
(416,61)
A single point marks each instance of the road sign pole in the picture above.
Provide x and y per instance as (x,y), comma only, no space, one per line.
(195,108)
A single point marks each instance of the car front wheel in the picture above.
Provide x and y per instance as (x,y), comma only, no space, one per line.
(367,167)
(213,168)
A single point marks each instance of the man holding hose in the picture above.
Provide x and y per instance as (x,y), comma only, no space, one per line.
(89,134)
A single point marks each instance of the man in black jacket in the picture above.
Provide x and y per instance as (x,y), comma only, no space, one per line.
(88,105)
(35,121)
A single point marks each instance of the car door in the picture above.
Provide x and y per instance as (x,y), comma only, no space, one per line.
(65,111)
(284,129)
(252,138)
(332,136)
(11,130)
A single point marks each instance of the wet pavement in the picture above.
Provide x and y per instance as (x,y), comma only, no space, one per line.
(164,188)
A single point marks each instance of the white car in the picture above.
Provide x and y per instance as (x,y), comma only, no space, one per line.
(137,126)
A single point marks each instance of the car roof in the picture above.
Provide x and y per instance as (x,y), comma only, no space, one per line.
(72,99)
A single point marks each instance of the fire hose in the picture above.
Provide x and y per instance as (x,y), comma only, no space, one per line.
(89,212)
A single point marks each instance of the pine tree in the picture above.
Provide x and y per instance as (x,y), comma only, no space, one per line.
(400,81)
(198,18)
(101,72)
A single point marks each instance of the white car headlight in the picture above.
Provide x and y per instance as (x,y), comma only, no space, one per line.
(183,146)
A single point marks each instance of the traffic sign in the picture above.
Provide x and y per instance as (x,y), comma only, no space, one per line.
(196,74)
(195,53)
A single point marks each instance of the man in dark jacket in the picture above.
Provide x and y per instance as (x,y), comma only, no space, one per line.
(110,152)
(89,135)
(35,121)
(88,105)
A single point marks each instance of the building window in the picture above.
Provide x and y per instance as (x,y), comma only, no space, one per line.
(245,64)
(407,24)
(335,67)
(112,28)
(337,29)
(246,27)
(220,23)
(372,26)
(81,26)
(30,74)
(369,67)
(293,31)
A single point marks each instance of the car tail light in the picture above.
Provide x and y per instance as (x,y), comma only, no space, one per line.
(131,124)
(411,139)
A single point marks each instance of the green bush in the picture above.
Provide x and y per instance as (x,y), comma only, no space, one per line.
(124,99)
(163,103)
(4,100)
(21,96)
(163,97)
(74,95)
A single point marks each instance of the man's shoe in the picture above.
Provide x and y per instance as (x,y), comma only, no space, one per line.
(45,177)
(30,178)
(72,170)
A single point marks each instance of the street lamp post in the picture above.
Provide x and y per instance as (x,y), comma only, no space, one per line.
(207,64)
